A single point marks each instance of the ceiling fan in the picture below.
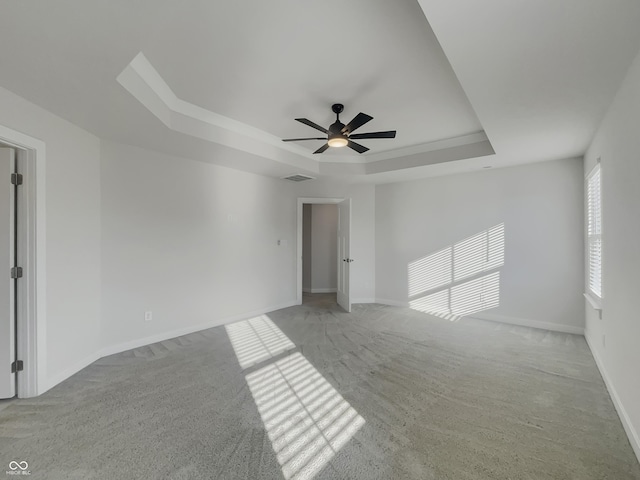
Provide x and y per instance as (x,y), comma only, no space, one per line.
(340,135)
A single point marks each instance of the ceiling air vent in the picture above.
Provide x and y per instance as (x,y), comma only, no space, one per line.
(298,178)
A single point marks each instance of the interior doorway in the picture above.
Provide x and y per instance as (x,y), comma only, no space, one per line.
(334,227)
(23,298)
(9,271)
(319,252)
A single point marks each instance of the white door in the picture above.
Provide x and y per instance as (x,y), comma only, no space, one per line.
(7,285)
(344,260)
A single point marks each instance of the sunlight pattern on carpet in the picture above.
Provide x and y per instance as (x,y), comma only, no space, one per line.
(256,340)
(306,419)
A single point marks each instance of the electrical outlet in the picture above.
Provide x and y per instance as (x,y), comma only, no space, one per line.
(148,316)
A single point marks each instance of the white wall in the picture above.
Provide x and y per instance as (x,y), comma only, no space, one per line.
(195,243)
(72,236)
(306,247)
(324,248)
(617,143)
(362,230)
(541,208)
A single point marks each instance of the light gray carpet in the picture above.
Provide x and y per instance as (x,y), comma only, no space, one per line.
(439,400)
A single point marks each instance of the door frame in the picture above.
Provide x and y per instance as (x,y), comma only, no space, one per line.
(301,202)
(31,233)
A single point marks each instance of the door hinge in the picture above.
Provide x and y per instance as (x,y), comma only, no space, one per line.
(17,366)
(16,272)
(16,179)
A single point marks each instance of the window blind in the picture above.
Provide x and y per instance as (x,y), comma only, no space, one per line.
(594,231)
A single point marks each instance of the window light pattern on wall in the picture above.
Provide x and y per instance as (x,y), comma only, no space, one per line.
(594,231)
(306,419)
(452,282)
(464,299)
(256,340)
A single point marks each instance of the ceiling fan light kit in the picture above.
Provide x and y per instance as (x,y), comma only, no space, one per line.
(340,135)
(338,141)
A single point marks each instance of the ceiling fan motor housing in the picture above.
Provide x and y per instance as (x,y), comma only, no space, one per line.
(336,128)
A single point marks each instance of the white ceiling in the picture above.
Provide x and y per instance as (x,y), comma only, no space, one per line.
(222,81)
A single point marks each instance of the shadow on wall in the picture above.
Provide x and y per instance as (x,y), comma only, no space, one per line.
(306,419)
(460,279)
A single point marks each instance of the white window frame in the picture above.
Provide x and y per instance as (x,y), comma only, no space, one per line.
(594,237)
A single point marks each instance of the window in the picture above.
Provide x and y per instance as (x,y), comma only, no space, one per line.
(594,232)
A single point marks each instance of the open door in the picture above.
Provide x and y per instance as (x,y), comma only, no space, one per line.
(7,284)
(344,260)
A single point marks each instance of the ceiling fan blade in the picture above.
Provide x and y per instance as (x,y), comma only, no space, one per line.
(312,125)
(297,139)
(322,148)
(357,147)
(357,122)
(389,134)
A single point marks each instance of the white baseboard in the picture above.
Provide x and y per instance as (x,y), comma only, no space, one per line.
(554,327)
(363,300)
(393,303)
(160,337)
(634,438)
(68,372)
(525,322)
(124,346)
(320,290)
